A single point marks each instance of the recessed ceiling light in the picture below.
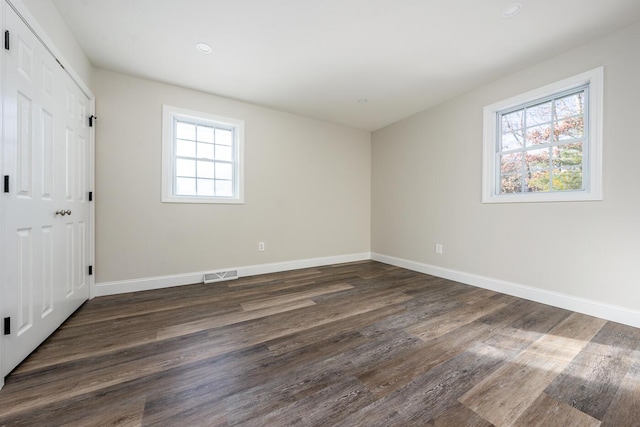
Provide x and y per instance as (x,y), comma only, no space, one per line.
(363,101)
(512,10)
(203,48)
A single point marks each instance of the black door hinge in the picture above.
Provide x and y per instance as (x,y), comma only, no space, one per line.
(91,196)
(6,39)
(6,183)
(7,325)
(92,118)
(91,270)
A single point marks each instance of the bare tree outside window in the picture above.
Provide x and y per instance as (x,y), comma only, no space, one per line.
(541,145)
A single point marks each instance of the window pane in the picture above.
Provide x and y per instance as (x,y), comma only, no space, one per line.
(206,187)
(568,155)
(185,186)
(224,153)
(537,160)
(511,183)
(185,148)
(185,131)
(538,181)
(205,151)
(224,137)
(185,167)
(511,140)
(538,114)
(570,106)
(205,134)
(569,129)
(510,163)
(567,179)
(224,171)
(513,121)
(538,135)
(224,188)
(205,170)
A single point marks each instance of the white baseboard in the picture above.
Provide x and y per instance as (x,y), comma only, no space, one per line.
(581,305)
(148,283)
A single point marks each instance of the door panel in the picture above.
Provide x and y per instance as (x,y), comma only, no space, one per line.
(24,282)
(47,271)
(24,145)
(46,221)
(47,155)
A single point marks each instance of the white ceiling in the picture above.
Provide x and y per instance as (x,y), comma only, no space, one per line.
(317,58)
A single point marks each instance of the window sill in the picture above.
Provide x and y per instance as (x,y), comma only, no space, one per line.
(205,200)
(569,196)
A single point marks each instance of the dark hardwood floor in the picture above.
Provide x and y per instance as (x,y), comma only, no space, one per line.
(360,344)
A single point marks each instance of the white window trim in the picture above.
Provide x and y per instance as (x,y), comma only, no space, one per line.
(595,79)
(168,114)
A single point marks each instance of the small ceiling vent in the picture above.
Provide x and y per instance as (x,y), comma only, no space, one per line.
(219,276)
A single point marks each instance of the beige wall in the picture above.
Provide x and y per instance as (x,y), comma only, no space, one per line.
(48,17)
(426,189)
(307,188)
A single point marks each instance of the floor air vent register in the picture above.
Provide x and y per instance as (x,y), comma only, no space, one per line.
(219,276)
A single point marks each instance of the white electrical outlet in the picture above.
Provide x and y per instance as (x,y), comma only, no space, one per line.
(261,246)
(439,248)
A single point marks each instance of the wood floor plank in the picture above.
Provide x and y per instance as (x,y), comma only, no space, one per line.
(337,328)
(591,380)
(261,303)
(430,394)
(193,388)
(440,325)
(351,344)
(194,411)
(458,415)
(503,396)
(100,379)
(147,302)
(290,323)
(119,306)
(325,407)
(129,414)
(99,338)
(126,409)
(204,296)
(517,330)
(478,295)
(229,319)
(625,407)
(295,380)
(389,377)
(416,311)
(263,279)
(548,412)
(527,318)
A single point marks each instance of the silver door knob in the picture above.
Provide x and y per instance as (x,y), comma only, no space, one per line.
(62,212)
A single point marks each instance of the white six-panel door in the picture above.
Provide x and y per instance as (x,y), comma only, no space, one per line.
(46,211)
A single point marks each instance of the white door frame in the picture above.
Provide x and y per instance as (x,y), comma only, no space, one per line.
(31,22)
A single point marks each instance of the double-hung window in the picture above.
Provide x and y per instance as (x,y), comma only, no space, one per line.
(545,145)
(202,157)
